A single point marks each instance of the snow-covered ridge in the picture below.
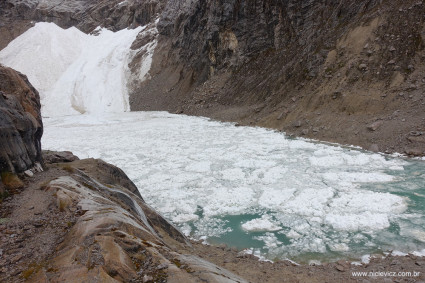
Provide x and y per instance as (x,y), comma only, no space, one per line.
(73,71)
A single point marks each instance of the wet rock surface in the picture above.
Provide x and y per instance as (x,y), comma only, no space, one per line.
(21,127)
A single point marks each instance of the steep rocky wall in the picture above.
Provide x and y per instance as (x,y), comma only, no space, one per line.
(229,33)
(321,69)
(290,38)
(21,127)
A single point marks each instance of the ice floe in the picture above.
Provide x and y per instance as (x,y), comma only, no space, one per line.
(297,197)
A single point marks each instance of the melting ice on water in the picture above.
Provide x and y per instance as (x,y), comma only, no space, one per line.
(252,187)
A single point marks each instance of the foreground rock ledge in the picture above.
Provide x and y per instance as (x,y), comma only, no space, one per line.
(80,228)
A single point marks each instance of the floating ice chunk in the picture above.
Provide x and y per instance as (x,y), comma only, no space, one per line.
(212,227)
(274,198)
(182,218)
(366,259)
(339,247)
(358,177)
(293,234)
(233,174)
(273,174)
(254,163)
(398,253)
(200,167)
(300,144)
(228,201)
(260,224)
(396,168)
(418,234)
(365,201)
(302,227)
(309,202)
(185,228)
(270,240)
(356,222)
(326,161)
(419,253)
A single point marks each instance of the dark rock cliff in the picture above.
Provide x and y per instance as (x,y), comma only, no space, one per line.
(261,44)
(230,33)
(321,69)
(21,127)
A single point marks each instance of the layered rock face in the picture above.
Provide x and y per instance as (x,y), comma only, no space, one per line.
(84,221)
(21,127)
(326,70)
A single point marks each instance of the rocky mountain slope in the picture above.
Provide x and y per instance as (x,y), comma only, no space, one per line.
(21,128)
(340,71)
(347,72)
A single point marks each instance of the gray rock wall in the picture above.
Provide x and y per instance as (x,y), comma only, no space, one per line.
(21,127)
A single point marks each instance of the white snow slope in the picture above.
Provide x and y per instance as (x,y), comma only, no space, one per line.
(74,72)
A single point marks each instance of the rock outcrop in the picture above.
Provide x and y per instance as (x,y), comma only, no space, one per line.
(89,225)
(335,67)
(21,126)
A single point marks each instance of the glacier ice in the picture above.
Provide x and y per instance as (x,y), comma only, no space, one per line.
(73,71)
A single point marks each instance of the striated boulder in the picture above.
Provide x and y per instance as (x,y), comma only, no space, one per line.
(88,225)
(21,127)
(58,156)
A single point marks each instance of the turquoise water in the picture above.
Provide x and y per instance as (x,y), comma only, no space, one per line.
(256,189)
(409,184)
